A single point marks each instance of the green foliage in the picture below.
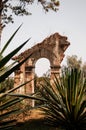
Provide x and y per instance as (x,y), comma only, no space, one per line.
(37,87)
(63,100)
(4,73)
(8,108)
(21,7)
(74,62)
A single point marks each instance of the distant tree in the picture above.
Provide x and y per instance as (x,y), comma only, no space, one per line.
(20,8)
(74,62)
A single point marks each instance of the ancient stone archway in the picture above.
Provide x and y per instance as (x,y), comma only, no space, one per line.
(52,48)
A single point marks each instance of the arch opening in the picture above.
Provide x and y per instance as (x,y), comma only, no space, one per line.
(42,67)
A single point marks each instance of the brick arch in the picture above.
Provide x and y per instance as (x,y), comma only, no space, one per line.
(52,48)
(43,53)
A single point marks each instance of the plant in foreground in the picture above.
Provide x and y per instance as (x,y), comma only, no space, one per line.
(64,101)
(65,105)
(5,71)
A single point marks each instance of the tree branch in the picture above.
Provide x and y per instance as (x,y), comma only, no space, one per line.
(5,1)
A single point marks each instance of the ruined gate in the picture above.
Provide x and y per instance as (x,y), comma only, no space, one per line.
(52,48)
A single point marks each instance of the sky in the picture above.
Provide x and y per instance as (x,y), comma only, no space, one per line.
(70,21)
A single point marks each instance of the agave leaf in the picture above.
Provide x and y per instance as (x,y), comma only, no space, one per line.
(50,90)
(7,125)
(6,122)
(30,96)
(13,89)
(3,70)
(65,101)
(10,103)
(6,74)
(7,114)
(9,41)
(10,55)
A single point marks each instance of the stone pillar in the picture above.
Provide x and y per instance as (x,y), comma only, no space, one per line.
(17,79)
(55,70)
(20,78)
(29,75)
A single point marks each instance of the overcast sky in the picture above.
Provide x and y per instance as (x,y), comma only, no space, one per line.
(69,21)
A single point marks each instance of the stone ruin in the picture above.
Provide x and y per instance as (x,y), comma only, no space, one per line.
(52,48)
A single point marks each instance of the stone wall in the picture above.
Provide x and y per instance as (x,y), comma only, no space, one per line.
(52,48)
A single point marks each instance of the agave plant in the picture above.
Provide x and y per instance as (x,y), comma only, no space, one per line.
(5,71)
(64,100)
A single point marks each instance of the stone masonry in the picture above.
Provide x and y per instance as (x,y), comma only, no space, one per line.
(52,48)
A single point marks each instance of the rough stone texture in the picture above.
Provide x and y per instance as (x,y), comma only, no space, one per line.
(52,48)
